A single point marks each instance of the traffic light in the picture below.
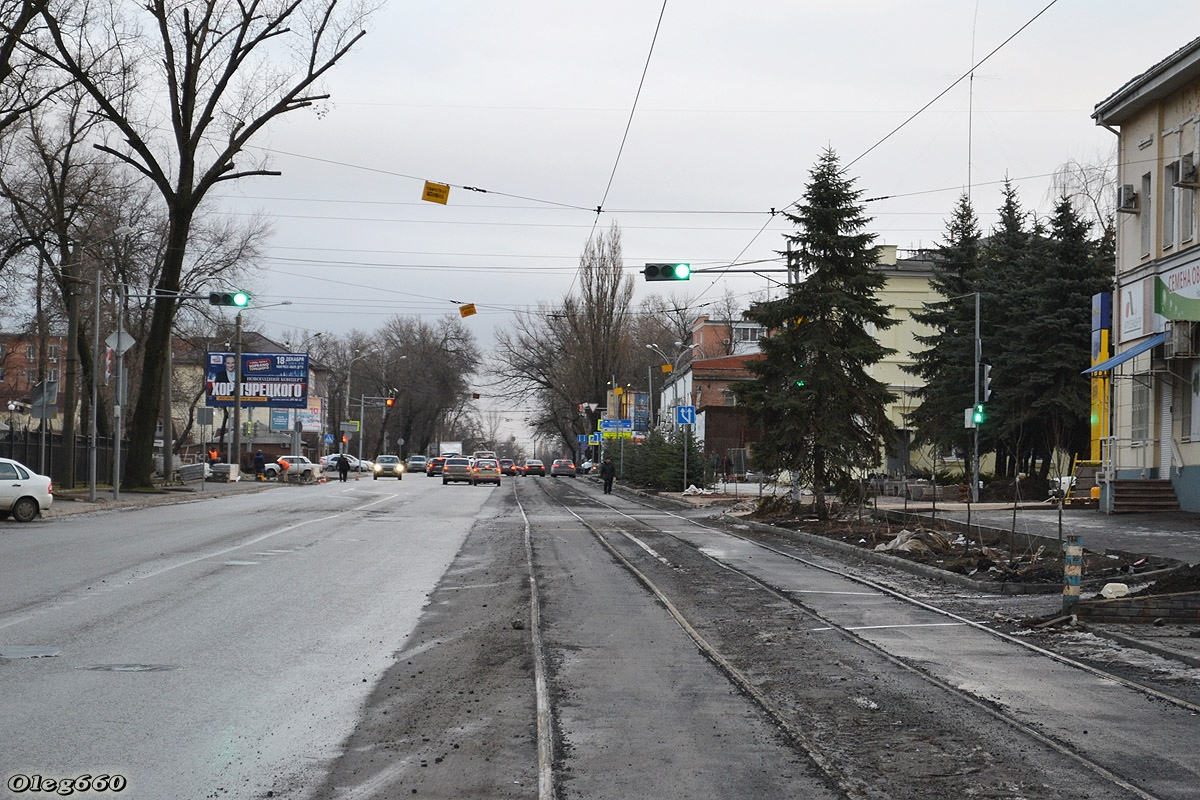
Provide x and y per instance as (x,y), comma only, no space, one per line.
(667,272)
(987,382)
(391,401)
(239,299)
(978,417)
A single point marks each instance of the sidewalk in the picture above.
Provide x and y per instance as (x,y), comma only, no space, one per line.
(68,502)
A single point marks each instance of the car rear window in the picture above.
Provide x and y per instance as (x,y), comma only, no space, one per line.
(486,463)
(458,462)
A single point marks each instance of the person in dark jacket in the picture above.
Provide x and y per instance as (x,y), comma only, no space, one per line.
(343,468)
(260,466)
(608,472)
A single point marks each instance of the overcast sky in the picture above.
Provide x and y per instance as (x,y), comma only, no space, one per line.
(530,100)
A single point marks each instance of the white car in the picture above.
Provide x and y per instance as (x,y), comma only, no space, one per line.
(298,468)
(330,463)
(23,493)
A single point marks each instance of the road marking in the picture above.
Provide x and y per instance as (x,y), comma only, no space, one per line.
(890,627)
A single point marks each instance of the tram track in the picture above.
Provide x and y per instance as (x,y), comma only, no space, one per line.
(654,565)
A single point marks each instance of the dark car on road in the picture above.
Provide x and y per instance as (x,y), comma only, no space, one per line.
(533,467)
(508,466)
(433,467)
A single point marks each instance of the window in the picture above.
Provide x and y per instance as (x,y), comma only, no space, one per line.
(1147,218)
(1140,431)
(3,350)
(729,397)
(30,353)
(1187,204)
(1170,178)
(52,352)
(52,375)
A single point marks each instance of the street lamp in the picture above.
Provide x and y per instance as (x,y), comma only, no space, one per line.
(346,411)
(123,230)
(674,362)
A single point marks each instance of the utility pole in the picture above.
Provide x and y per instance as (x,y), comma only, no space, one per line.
(975,430)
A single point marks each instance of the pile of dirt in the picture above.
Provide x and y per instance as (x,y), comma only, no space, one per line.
(1186,579)
(944,547)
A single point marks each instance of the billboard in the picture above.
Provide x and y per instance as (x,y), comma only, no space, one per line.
(269,380)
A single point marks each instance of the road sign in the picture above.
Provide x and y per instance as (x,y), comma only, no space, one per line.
(349,427)
(685,415)
(328,438)
(581,438)
(120,341)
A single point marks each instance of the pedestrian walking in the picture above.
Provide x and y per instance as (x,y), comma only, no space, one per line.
(608,473)
(343,468)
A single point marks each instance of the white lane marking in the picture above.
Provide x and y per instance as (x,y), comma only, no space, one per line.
(644,546)
(891,627)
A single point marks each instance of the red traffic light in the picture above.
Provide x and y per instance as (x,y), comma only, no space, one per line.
(391,401)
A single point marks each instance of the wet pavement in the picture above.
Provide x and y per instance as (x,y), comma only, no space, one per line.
(68,502)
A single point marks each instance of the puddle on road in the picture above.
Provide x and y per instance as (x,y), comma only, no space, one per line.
(28,651)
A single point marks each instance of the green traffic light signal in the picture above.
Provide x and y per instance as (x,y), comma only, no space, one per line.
(979,416)
(238,299)
(668,272)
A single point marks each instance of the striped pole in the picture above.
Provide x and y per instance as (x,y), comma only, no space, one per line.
(1072,571)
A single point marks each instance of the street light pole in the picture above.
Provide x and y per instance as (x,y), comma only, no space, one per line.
(346,415)
(235,455)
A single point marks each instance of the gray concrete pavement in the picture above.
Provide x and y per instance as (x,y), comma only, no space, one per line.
(1174,535)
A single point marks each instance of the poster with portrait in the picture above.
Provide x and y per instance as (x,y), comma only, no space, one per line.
(268,380)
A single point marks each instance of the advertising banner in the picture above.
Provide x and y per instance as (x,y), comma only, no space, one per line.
(269,380)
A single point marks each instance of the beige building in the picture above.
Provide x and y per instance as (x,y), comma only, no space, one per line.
(1155,372)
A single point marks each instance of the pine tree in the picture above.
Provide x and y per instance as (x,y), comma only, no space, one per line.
(947,365)
(820,412)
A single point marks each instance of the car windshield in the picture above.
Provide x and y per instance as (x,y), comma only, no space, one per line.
(387,460)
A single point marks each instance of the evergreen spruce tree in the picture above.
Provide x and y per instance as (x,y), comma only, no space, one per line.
(1007,284)
(947,364)
(820,413)
(1057,336)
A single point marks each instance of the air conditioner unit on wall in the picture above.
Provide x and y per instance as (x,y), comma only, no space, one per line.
(1189,176)
(1127,199)
(1181,340)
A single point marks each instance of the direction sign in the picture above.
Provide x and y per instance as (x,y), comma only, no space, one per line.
(685,415)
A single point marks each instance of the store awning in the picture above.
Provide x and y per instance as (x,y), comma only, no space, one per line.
(1122,357)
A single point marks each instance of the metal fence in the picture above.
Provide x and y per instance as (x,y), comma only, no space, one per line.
(49,454)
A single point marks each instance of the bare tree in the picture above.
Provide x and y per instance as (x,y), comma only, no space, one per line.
(24,83)
(223,69)
(561,356)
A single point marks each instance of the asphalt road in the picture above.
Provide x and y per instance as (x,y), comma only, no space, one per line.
(219,648)
(376,639)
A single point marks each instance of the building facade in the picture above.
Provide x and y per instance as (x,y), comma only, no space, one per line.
(1155,369)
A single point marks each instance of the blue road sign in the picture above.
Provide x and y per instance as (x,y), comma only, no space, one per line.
(329,438)
(685,415)
(581,438)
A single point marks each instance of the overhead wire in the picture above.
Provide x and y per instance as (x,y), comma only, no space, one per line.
(911,117)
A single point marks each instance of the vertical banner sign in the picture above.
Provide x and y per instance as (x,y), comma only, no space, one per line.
(1101,381)
(269,380)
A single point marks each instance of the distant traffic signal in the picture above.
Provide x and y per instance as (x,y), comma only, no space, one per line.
(987,382)
(668,272)
(391,401)
(239,299)
(979,415)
